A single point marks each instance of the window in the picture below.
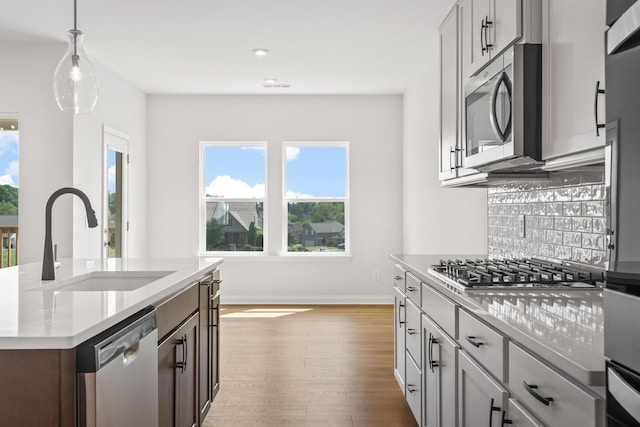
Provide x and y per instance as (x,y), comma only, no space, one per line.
(316,196)
(233,196)
(8,192)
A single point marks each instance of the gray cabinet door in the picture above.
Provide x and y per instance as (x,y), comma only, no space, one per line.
(399,337)
(440,367)
(481,399)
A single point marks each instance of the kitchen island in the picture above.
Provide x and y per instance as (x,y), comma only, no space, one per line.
(42,322)
(533,356)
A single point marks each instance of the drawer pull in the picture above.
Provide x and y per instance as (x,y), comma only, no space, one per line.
(410,389)
(492,409)
(398,277)
(531,389)
(411,331)
(412,288)
(471,339)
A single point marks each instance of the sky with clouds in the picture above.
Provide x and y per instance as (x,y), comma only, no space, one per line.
(239,172)
(9,163)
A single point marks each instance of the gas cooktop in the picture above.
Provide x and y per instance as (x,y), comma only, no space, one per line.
(508,274)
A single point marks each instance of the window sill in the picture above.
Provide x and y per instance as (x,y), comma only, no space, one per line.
(232,257)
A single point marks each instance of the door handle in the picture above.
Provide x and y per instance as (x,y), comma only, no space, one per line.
(505,420)
(452,152)
(492,409)
(181,365)
(487,45)
(432,363)
(595,108)
(482,48)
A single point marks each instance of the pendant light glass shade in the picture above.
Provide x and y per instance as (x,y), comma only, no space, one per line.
(75,83)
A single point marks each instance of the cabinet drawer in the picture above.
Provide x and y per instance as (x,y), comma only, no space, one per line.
(520,417)
(441,309)
(413,332)
(412,288)
(414,388)
(399,277)
(553,398)
(485,344)
(172,311)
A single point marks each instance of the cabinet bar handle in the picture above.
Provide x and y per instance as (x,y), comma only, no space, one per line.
(531,389)
(411,331)
(215,296)
(412,288)
(492,409)
(452,152)
(410,389)
(186,350)
(482,48)
(471,339)
(595,108)
(504,420)
(181,365)
(486,38)
(398,277)
(400,305)
(432,363)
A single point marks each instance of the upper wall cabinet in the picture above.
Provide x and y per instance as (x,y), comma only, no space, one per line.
(488,27)
(573,78)
(451,114)
(449,95)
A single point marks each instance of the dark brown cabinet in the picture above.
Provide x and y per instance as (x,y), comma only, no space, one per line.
(188,369)
(178,376)
(209,300)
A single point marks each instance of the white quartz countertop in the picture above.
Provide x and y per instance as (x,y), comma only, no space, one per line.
(564,328)
(35,314)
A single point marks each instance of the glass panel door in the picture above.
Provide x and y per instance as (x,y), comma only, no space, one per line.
(115,222)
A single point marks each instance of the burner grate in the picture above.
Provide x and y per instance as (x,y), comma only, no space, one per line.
(517,273)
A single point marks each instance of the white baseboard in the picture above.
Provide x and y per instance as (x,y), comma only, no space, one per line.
(306,299)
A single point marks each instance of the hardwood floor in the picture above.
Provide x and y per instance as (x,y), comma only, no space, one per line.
(308,366)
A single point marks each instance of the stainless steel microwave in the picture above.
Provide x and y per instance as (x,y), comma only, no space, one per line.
(503,113)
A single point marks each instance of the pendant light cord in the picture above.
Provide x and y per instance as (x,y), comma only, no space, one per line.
(75,28)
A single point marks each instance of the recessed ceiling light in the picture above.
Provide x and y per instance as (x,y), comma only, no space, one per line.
(260,52)
(270,80)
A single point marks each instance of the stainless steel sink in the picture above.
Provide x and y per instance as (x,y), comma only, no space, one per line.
(101,281)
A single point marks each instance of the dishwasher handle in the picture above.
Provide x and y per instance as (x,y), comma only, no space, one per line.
(120,339)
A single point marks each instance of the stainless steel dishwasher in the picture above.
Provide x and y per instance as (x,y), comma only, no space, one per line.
(117,374)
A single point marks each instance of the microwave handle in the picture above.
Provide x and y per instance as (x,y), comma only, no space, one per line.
(493,116)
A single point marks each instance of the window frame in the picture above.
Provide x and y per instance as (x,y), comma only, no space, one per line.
(285,201)
(203,200)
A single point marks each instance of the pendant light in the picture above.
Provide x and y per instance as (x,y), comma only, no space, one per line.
(75,83)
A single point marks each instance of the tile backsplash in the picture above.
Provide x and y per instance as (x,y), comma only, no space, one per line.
(563,218)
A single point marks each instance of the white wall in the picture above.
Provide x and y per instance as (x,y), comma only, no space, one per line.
(121,106)
(26,89)
(435,220)
(372,124)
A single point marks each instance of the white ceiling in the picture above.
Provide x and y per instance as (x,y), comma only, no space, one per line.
(204,46)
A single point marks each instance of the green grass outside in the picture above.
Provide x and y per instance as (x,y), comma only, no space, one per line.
(5,257)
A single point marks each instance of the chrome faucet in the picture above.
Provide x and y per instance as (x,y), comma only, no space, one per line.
(48,271)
